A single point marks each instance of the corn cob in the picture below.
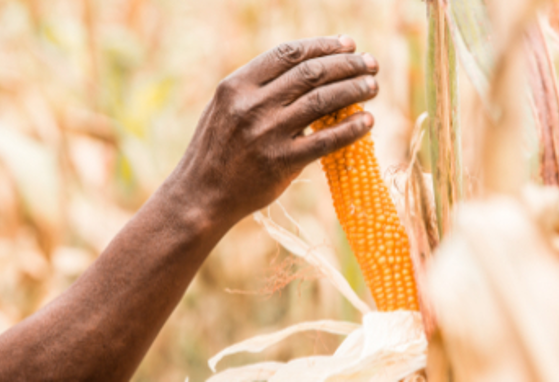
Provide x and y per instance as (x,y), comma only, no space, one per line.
(369,219)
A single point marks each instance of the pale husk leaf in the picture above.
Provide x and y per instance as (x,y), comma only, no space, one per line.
(392,346)
(300,248)
(256,372)
(388,347)
(260,343)
(412,192)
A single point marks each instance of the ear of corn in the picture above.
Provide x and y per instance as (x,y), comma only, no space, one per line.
(369,219)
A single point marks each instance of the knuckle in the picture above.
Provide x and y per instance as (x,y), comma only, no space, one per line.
(373,90)
(324,46)
(353,64)
(312,72)
(248,106)
(317,102)
(228,87)
(362,88)
(239,110)
(354,129)
(290,52)
(324,146)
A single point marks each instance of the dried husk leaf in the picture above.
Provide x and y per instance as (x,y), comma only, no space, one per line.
(412,193)
(260,343)
(256,372)
(389,346)
(393,348)
(300,248)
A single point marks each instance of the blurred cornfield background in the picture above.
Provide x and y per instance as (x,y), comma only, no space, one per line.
(98,101)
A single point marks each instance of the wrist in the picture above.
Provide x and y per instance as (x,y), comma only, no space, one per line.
(192,206)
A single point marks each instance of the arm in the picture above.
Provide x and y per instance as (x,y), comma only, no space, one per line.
(247,148)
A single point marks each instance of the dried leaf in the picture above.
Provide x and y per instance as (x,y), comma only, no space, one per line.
(393,347)
(256,372)
(260,343)
(388,347)
(313,256)
(412,192)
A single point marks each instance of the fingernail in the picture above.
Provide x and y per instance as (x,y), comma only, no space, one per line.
(370,62)
(368,120)
(346,41)
(372,83)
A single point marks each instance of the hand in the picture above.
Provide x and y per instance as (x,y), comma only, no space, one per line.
(249,144)
(247,148)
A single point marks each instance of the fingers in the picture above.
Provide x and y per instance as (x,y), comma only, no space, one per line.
(323,142)
(327,99)
(277,61)
(320,71)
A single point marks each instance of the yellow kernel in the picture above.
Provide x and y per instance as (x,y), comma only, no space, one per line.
(368,216)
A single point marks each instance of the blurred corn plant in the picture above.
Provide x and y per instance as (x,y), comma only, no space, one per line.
(483,227)
(98,102)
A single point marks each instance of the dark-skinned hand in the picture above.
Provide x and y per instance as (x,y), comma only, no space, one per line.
(249,143)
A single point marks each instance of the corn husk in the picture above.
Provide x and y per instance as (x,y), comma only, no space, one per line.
(387,346)
(260,343)
(312,255)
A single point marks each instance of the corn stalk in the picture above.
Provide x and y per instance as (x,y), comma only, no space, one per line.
(545,103)
(442,103)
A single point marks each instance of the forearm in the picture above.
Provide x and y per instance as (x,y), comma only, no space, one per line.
(102,326)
